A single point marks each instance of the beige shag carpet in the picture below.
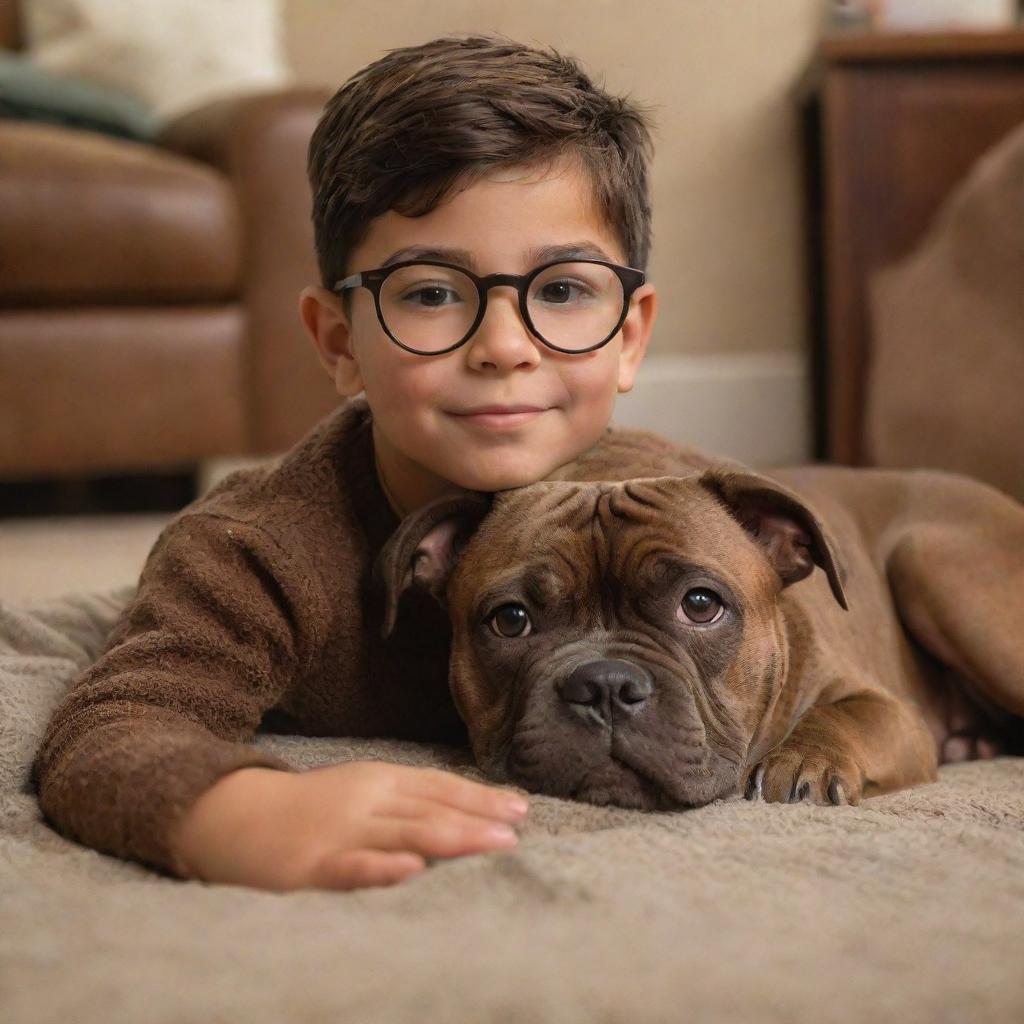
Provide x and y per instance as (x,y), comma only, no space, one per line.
(907,908)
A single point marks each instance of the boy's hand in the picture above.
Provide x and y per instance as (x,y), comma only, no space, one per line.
(342,826)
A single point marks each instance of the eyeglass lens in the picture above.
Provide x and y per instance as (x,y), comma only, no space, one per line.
(571,305)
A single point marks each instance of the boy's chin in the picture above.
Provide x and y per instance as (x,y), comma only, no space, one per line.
(505,477)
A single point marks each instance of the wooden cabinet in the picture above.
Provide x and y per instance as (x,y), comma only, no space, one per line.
(892,123)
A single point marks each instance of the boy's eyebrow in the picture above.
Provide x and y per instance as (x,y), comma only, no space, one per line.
(464,258)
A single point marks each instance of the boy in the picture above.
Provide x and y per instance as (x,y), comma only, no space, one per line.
(431,169)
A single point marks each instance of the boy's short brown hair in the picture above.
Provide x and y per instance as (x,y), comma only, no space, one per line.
(409,128)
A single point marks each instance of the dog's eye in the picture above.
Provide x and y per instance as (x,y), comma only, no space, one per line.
(510,620)
(700,605)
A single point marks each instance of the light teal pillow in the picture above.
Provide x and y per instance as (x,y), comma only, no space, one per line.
(28,93)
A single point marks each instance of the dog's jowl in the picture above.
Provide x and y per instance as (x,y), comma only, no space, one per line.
(822,634)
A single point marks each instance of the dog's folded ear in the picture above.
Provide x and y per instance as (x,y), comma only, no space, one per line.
(790,533)
(425,548)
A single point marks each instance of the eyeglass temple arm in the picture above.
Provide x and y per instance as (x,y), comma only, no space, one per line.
(355,281)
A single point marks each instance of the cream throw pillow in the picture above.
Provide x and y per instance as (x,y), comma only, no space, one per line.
(173,55)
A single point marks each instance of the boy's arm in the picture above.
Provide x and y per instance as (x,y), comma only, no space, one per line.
(212,640)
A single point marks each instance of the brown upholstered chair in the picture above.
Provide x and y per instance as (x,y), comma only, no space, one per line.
(149,293)
(947,324)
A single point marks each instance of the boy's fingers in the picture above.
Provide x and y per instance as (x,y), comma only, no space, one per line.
(486,813)
(357,869)
(442,839)
(414,808)
(465,794)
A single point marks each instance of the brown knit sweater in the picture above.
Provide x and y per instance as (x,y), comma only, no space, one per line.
(254,612)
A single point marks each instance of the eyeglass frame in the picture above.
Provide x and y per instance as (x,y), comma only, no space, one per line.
(373,280)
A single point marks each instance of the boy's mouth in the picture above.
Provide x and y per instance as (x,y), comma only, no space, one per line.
(499,415)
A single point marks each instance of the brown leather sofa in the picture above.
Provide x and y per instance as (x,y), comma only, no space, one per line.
(149,293)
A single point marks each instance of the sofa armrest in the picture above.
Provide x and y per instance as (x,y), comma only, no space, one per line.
(259,142)
(226,133)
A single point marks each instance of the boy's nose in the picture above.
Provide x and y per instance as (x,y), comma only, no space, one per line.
(502,341)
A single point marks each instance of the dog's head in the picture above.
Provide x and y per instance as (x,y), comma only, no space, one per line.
(614,642)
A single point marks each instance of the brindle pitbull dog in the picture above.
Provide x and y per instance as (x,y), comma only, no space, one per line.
(660,642)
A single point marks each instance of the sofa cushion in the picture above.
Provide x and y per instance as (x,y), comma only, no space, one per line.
(95,391)
(90,219)
(173,56)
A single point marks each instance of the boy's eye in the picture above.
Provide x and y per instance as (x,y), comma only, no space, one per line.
(432,295)
(562,292)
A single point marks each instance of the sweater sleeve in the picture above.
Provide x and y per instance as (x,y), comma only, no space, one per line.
(213,638)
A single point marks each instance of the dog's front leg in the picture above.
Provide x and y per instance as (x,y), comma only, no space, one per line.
(860,746)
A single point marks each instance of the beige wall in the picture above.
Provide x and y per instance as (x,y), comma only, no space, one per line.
(727,255)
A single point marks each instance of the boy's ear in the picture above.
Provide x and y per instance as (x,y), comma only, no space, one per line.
(323,316)
(636,333)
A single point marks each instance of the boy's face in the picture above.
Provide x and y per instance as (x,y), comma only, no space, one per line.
(425,435)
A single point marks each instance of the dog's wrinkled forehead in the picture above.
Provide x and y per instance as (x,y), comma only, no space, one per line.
(596,529)
(609,540)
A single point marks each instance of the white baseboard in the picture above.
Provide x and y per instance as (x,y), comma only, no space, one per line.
(753,406)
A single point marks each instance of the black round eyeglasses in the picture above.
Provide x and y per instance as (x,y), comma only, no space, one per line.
(429,308)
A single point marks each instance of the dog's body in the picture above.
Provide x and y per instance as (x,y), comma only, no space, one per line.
(585,665)
(935,591)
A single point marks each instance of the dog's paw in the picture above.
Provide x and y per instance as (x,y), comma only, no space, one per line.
(789,775)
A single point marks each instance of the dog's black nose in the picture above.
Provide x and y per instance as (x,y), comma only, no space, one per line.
(605,688)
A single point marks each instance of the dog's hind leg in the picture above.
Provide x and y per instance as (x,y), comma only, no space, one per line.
(957,576)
